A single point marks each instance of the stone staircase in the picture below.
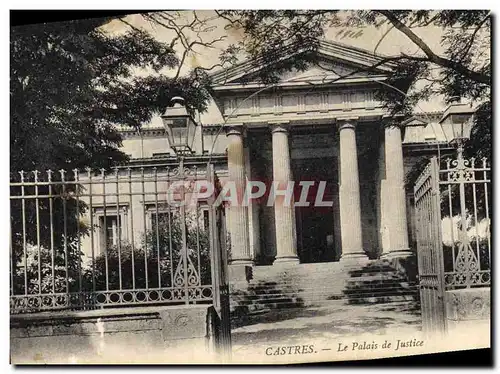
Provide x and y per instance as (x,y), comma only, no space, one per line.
(381,281)
(284,286)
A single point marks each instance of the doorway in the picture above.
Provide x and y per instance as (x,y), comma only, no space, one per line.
(316,241)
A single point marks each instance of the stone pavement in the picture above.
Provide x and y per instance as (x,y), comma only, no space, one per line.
(322,329)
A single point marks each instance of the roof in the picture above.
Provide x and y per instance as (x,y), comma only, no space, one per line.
(333,51)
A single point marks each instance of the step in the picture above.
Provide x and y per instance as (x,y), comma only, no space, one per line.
(381,299)
(286,288)
(291,288)
(351,295)
(392,292)
(267,301)
(284,273)
(275,305)
(378,287)
(298,286)
(279,270)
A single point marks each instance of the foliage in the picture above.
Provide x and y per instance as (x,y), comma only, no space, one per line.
(55,229)
(283,40)
(93,87)
(42,277)
(287,39)
(160,253)
(71,84)
(479,144)
(462,69)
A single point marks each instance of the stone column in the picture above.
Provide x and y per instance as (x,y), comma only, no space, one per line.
(286,249)
(238,214)
(383,200)
(349,198)
(394,212)
(253,210)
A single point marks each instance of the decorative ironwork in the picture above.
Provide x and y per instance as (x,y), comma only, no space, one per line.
(429,247)
(464,188)
(98,299)
(453,231)
(111,238)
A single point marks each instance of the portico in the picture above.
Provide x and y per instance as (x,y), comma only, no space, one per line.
(334,133)
(342,197)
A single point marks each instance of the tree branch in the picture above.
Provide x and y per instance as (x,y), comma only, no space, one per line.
(432,57)
(473,36)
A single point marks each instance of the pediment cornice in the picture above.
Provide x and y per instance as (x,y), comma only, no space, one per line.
(333,52)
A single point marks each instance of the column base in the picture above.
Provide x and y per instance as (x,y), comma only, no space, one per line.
(238,272)
(241,262)
(358,258)
(397,253)
(286,260)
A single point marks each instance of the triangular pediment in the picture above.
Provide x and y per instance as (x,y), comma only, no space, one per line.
(415,121)
(333,62)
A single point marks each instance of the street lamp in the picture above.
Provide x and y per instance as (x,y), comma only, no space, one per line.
(180,127)
(456,123)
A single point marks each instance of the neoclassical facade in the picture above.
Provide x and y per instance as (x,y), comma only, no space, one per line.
(322,124)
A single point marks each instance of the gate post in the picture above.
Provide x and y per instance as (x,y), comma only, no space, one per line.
(220,281)
(430,250)
(438,248)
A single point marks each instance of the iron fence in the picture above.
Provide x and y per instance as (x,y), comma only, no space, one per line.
(465,190)
(99,238)
(453,214)
(429,249)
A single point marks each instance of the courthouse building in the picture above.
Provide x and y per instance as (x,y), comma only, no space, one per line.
(311,126)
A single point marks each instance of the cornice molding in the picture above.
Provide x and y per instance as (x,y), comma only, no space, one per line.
(334,51)
(147,132)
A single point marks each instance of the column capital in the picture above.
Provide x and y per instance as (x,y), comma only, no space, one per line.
(279,126)
(393,122)
(344,124)
(235,129)
(347,122)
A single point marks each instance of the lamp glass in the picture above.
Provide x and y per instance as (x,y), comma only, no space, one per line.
(180,128)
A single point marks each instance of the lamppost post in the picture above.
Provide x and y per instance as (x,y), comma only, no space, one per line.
(181,129)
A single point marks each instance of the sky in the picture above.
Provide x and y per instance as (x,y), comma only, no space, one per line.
(393,43)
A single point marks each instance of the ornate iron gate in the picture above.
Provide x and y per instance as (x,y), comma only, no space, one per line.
(119,238)
(429,249)
(220,280)
(453,213)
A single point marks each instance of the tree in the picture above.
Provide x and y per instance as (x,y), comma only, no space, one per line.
(463,65)
(71,85)
(462,68)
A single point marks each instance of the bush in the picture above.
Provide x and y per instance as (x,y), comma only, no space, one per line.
(159,256)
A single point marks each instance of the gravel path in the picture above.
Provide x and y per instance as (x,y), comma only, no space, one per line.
(322,329)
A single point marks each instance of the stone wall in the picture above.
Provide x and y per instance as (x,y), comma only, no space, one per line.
(176,334)
(468,308)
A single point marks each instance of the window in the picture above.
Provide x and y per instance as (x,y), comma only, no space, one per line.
(206,219)
(111,230)
(203,216)
(162,154)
